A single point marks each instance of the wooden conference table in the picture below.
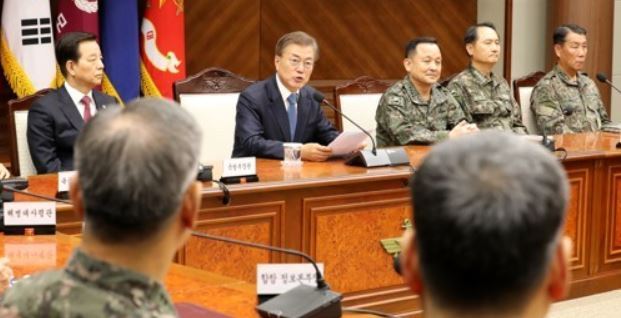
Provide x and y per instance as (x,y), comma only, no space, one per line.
(338,214)
(225,295)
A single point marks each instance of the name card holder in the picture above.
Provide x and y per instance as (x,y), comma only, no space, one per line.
(29,218)
(64,180)
(275,279)
(239,170)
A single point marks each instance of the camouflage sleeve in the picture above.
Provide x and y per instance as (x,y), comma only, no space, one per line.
(518,125)
(602,111)
(399,121)
(458,93)
(11,312)
(455,112)
(15,304)
(547,110)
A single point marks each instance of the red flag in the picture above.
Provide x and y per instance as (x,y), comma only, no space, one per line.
(162,47)
(77,15)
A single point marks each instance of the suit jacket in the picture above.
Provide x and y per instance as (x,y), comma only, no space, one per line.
(262,124)
(54,123)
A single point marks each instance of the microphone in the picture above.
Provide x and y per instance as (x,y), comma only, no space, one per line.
(318,96)
(602,78)
(392,156)
(549,143)
(301,301)
(34,195)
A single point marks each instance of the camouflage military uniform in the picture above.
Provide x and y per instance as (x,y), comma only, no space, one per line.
(87,288)
(403,118)
(556,93)
(487,102)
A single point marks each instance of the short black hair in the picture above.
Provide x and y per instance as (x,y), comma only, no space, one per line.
(560,34)
(67,48)
(472,35)
(410,47)
(488,209)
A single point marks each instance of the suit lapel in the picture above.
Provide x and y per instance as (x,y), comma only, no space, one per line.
(70,109)
(100,100)
(304,104)
(278,108)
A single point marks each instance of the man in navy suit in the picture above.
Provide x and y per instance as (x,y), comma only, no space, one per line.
(282,109)
(55,120)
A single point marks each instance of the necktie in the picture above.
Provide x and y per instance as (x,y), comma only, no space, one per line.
(292,111)
(86,101)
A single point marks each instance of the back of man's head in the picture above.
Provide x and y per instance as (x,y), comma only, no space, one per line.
(135,164)
(488,212)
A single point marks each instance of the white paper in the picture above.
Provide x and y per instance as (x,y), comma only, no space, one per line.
(275,279)
(64,179)
(347,142)
(239,167)
(29,213)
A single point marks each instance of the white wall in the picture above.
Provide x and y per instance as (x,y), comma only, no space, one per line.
(494,11)
(529,32)
(528,51)
(615,108)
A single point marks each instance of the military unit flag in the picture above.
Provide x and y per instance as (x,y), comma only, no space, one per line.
(162,47)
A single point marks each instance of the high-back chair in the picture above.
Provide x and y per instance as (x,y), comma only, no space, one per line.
(21,162)
(211,97)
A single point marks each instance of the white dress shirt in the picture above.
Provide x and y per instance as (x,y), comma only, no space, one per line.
(76,97)
(284,93)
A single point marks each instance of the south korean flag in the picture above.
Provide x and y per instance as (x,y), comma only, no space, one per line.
(27,46)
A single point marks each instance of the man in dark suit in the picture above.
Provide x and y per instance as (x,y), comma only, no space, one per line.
(55,120)
(282,109)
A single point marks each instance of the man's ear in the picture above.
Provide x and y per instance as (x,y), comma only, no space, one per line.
(469,49)
(69,64)
(557,50)
(410,266)
(276,62)
(191,204)
(75,193)
(560,272)
(407,64)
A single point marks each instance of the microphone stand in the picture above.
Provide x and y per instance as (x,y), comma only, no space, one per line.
(302,301)
(28,229)
(392,156)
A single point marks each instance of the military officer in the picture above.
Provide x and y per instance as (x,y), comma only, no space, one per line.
(484,97)
(137,192)
(565,100)
(416,110)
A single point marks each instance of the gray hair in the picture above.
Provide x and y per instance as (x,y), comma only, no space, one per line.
(135,164)
(488,211)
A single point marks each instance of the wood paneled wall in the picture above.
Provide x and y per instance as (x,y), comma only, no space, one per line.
(356,37)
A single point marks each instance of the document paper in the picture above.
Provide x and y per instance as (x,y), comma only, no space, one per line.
(347,142)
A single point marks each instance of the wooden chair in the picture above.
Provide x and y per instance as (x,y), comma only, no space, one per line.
(358,100)
(21,162)
(211,97)
(522,89)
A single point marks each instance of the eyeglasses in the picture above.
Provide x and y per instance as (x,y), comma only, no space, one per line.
(295,62)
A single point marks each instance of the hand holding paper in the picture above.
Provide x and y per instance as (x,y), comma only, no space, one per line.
(347,142)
